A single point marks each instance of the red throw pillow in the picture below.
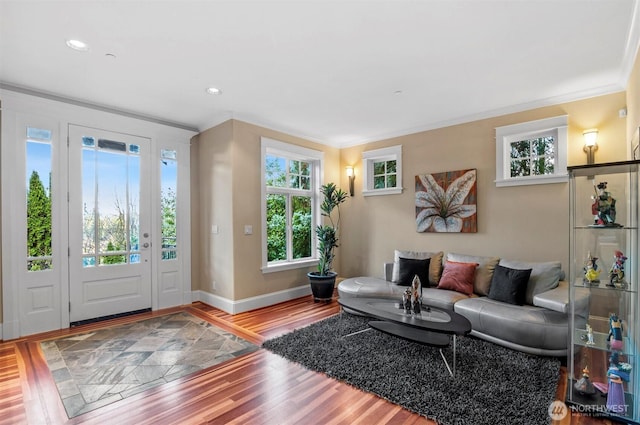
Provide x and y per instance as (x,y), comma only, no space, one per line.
(458,277)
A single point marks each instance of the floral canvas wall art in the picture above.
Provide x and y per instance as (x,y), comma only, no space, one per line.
(446,202)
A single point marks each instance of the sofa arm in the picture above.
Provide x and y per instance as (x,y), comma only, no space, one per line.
(388,271)
(557,299)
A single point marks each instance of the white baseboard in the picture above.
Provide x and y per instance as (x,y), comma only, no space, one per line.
(252,303)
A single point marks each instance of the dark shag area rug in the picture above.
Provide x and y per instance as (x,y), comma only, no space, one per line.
(493,384)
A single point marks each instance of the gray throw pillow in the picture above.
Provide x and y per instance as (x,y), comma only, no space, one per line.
(544,276)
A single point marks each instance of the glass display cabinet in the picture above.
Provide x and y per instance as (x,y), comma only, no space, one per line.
(603,274)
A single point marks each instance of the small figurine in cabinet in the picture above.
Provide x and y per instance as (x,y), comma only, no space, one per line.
(617,374)
(604,206)
(591,271)
(584,385)
(589,335)
(616,274)
(615,332)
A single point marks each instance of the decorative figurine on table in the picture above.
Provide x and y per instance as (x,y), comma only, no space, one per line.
(603,207)
(584,385)
(416,294)
(617,373)
(591,271)
(616,274)
(615,332)
(406,300)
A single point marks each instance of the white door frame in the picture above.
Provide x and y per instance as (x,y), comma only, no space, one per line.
(171,283)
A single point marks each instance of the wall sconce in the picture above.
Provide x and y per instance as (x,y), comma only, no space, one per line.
(352,177)
(590,145)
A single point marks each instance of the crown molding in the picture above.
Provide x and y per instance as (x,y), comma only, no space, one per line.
(550,101)
(95,106)
(632,45)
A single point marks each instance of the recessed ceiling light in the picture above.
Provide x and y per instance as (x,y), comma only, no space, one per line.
(78,45)
(213,90)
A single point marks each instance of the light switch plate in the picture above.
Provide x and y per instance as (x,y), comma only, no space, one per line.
(248,229)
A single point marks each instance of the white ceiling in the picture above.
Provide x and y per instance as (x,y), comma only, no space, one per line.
(337,72)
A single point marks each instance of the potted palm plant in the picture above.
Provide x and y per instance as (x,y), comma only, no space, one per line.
(323,280)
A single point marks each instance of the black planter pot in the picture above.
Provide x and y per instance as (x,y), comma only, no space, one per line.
(322,286)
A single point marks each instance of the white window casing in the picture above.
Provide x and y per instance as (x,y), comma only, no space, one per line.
(294,152)
(557,127)
(393,153)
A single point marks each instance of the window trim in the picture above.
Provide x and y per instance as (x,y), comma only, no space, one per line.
(377,155)
(558,126)
(316,158)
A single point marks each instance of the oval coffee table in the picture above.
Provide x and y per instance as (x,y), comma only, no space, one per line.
(432,326)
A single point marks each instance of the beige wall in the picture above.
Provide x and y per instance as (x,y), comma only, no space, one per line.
(227,193)
(520,223)
(212,254)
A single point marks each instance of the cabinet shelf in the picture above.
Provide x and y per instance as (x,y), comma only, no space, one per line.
(605,228)
(595,405)
(604,193)
(602,286)
(601,343)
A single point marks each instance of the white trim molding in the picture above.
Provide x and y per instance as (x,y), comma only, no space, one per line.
(252,303)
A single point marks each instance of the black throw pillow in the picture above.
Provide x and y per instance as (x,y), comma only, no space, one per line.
(410,267)
(509,285)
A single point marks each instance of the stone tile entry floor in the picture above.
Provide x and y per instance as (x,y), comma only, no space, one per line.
(97,368)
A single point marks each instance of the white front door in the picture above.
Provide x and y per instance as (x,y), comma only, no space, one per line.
(109,223)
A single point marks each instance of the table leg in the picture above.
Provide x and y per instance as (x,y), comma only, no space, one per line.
(454,355)
(357,332)
(446,363)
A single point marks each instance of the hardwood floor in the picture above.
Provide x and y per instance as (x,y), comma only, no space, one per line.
(259,388)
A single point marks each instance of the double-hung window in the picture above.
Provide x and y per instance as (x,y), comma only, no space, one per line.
(290,182)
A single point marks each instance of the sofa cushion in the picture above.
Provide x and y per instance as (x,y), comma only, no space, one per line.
(410,267)
(365,286)
(544,276)
(435,265)
(458,277)
(509,285)
(527,328)
(484,271)
(442,298)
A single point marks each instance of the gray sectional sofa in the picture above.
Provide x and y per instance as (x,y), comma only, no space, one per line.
(536,324)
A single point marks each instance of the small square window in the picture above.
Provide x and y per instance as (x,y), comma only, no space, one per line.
(382,171)
(534,152)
